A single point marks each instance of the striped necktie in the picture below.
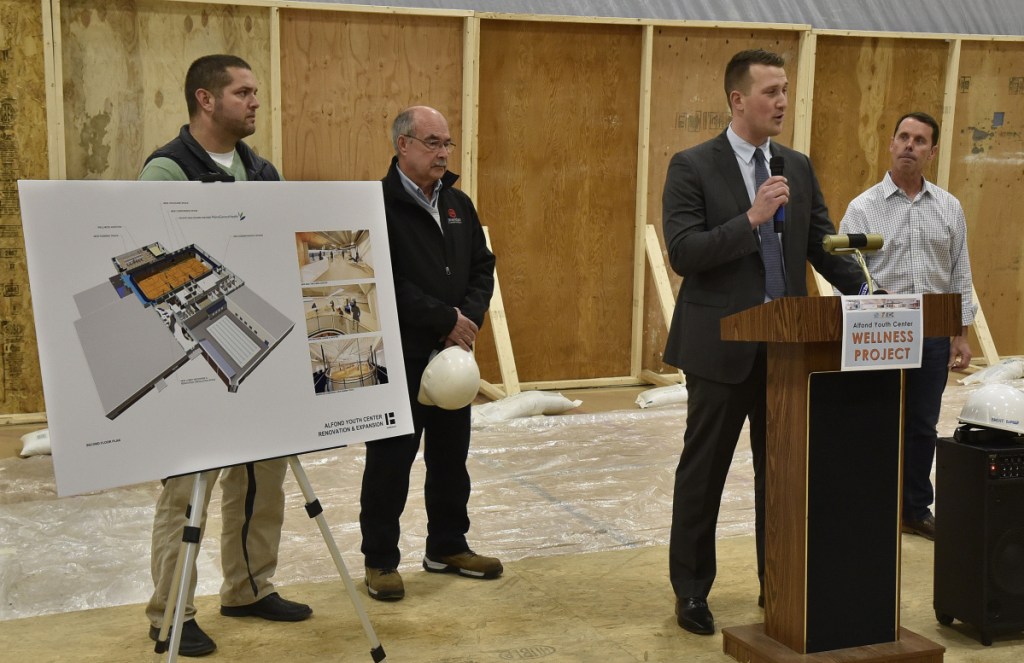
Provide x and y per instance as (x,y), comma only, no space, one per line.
(771,247)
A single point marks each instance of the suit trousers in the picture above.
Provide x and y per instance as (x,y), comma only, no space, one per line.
(446,490)
(715,415)
(264,535)
(922,403)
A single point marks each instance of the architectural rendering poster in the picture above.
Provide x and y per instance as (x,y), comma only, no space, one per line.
(185,326)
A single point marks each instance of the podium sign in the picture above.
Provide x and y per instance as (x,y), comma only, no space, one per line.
(882,331)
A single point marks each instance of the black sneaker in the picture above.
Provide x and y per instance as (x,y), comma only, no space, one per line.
(194,642)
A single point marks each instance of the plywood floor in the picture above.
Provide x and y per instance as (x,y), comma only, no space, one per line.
(604,607)
(577,506)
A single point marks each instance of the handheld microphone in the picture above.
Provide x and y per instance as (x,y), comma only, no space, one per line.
(844,243)
(777,164)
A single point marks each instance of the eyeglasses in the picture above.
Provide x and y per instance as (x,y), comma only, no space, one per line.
(433,144)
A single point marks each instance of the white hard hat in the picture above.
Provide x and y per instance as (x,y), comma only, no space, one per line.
(995,406)
(451,379)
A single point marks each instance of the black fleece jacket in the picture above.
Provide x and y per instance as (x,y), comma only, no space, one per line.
(435,273)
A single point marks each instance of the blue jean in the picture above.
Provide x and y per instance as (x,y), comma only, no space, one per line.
(922,401)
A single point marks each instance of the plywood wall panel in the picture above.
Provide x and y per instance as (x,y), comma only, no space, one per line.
(124,67)
(862,85)
(987,175)
(23,155)
(688,107)
(345,76)
(557,139)
(558,129)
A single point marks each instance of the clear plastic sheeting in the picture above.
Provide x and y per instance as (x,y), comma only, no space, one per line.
(542,486)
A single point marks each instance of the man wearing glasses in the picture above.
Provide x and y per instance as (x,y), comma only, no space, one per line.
(444,277)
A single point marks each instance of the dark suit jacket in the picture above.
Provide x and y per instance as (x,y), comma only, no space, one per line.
(712,246)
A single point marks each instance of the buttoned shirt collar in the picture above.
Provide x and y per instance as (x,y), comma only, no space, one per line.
(889,187)
(429,204)
(745,150)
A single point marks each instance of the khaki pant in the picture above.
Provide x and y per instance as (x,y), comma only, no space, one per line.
(264,535)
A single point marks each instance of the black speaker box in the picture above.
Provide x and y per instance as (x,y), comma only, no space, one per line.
(979,532)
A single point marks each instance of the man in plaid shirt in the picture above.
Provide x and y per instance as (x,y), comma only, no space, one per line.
(925,252)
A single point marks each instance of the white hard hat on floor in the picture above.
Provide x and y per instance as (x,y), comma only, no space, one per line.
(997,406)
(451,379)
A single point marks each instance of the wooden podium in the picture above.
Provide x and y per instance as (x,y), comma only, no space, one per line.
(832,505)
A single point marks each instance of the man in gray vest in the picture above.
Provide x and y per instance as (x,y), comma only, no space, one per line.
(220,91)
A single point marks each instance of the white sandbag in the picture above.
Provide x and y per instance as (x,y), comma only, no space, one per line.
(36,443)
(1008,369)
(524,404)
(674,393)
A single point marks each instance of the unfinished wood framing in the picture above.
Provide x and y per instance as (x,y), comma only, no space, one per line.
(662,287)
(659,273)
(945,156)
(816,283)
(277,132)
(982,333)
(802,96)
(470,83)
(502,342)
(54,98)
(546,385)
(22,419)
(640,219)
(566,127)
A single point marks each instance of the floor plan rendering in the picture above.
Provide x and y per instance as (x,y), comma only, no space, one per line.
(162,309)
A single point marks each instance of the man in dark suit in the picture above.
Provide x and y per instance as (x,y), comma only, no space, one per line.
(718,205)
